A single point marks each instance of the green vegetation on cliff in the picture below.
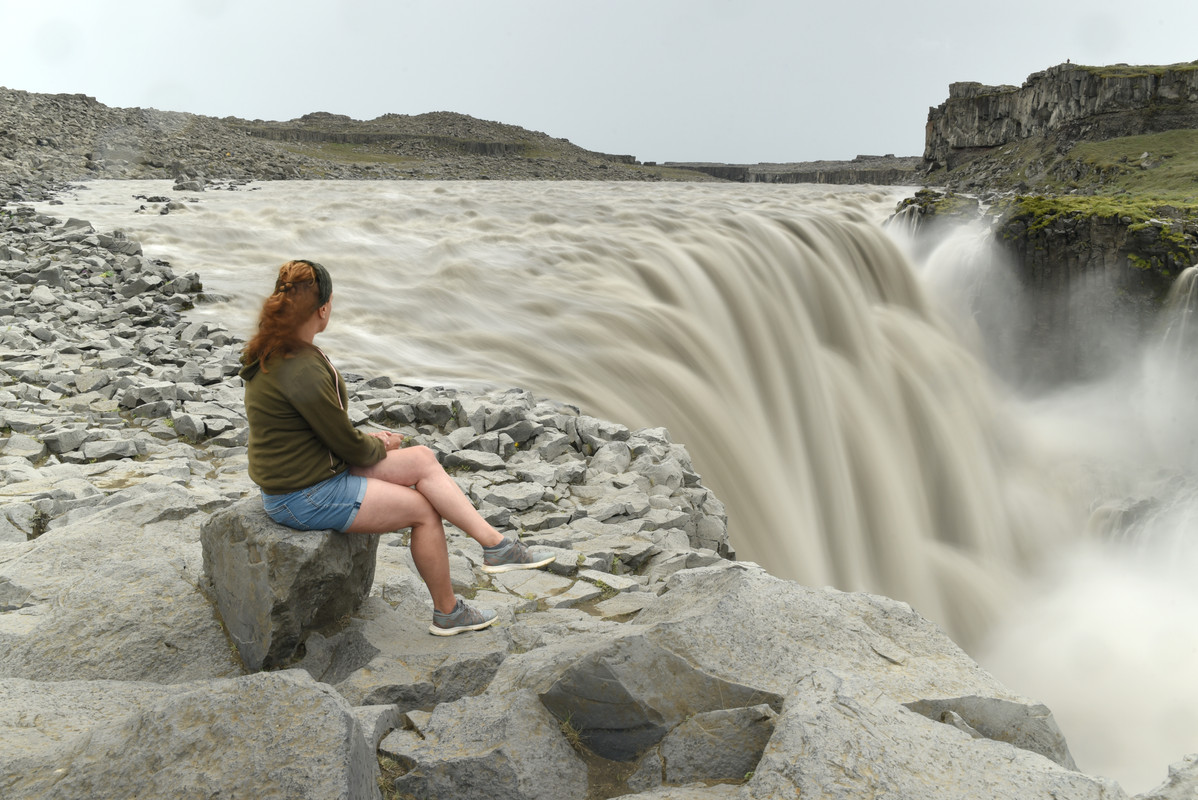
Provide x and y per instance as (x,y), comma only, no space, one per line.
(1138,71)
(1164,165)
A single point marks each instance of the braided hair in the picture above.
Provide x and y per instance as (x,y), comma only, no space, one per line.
(301,288)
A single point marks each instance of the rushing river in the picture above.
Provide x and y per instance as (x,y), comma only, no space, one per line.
(827,382)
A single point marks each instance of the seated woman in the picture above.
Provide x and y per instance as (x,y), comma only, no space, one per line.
(317,471)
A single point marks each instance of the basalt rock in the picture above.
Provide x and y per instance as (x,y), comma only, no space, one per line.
(1069,102)
(273,584)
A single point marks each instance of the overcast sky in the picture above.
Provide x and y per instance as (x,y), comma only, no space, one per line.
(736,81)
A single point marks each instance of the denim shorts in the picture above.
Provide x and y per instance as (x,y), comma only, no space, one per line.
(331,504)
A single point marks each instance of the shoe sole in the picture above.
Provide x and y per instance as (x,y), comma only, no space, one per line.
(513,567)
(435,631)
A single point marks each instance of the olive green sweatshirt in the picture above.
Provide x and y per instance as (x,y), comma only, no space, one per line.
(300,433)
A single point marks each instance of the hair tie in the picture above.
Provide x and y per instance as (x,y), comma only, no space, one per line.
(283,287)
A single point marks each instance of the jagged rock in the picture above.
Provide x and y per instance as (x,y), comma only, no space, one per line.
(717,745)
(273,584)
(624,697)
(1107,101)
(507,748)
(387,656)
(1182,783)
(839,739)
(120,740)
(1030,727)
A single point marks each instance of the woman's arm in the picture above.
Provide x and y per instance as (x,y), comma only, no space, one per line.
(314,390)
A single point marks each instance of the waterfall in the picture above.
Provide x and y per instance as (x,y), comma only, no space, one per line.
(778,332)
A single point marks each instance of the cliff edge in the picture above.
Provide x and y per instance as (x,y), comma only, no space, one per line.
(1034,135)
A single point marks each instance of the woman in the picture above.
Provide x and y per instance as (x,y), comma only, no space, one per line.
(317,471)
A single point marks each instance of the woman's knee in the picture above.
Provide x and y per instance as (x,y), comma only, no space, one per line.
(425,459)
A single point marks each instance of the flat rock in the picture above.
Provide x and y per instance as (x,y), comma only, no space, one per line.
(112,596)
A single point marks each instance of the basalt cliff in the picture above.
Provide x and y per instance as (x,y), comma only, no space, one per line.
(1053,111)
(1086,175)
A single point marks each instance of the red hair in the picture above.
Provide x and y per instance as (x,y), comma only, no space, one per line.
(295,300)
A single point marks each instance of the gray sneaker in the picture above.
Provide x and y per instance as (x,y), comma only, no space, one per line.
(463,618)
(513,554)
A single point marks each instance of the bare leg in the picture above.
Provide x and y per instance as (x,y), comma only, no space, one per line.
(418,468)
(409,488)
(387,507)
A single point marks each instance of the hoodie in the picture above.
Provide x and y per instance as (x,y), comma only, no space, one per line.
(300,433)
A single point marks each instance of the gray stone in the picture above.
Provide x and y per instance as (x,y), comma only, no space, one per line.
(532,583)
(42,296)
(273,584)
(488,748)
(377,721)
(648,774)
(386,655)
(518,496)
(721,745)
(624,604)
(477,460)
(280,735)
(1182,783)
(109,450)
(65,440)
(19,445)
(693,791)
(838,739)
(1029,726)
(611,458)
(580,592)
(618,583)
(113,596)
(625,696)
(24,421)
(189,426)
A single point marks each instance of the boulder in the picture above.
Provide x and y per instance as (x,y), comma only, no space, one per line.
(487,748)
(841,740)
(272,735)
(717,745)
(272,585)
(385,655)
(1182,783)
(112,595)
(623,697)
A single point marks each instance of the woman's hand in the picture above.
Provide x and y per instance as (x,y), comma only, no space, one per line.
(390,440)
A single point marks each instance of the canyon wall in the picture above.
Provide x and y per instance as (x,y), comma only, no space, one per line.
(1069,101)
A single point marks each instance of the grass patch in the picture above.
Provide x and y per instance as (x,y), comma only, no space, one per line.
(1170,171)
(389,770)
(1138,71)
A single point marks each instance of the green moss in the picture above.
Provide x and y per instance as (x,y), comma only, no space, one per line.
(1140,209)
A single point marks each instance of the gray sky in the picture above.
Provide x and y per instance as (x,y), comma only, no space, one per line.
(736,81)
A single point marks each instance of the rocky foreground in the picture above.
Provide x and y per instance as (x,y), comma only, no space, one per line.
(646,663)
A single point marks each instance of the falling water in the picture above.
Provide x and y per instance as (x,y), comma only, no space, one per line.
(833,389)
